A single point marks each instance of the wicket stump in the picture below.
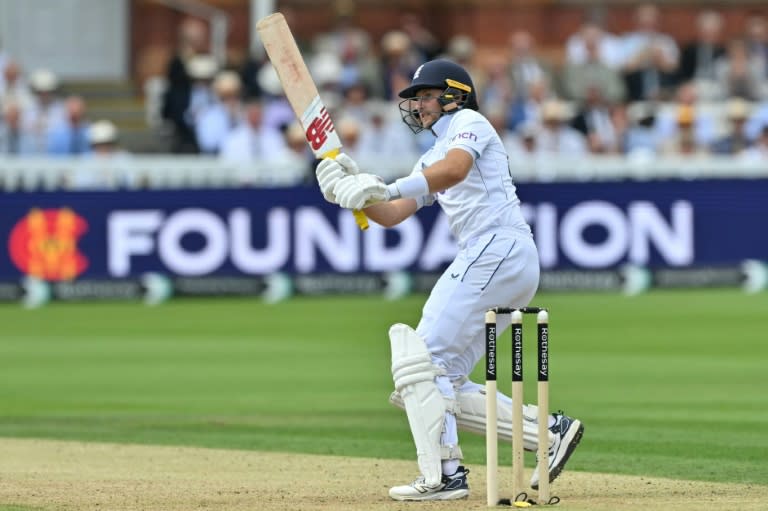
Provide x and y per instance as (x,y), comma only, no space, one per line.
(491,438)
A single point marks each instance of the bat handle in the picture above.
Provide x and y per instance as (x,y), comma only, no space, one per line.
(361,219)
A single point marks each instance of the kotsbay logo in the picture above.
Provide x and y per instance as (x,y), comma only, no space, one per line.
(43,244)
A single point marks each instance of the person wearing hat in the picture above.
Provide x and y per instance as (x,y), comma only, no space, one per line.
(737,111)
(467,173)
(107,165)
(46,110)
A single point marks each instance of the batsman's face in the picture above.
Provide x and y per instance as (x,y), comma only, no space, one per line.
(427,106)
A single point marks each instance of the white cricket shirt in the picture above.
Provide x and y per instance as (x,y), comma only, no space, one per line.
(487,198)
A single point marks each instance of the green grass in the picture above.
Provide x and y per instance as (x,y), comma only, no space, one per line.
(668,384)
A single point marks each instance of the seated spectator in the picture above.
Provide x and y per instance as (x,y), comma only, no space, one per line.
(757,153)
(738,75)
(107,165)
(650,57)
(735,141)
(252,141)
(15,140)
(581,78)
(595,122)
(398,59)
(278,113)
(556,136)
(216,121)
(704,124)
(527,109)
(684,141)
(757,119)
(70,136)
(640,137)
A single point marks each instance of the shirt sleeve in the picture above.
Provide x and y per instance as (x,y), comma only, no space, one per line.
(470,133)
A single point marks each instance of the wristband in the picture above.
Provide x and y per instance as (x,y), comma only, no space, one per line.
(411,186)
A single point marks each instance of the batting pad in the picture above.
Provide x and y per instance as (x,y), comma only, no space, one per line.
(470,416)
(414,376)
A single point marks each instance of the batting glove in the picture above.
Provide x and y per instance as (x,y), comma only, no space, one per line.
(329,171)
(359,191)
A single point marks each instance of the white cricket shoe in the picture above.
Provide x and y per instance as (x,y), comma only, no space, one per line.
(567,431)
(450,488)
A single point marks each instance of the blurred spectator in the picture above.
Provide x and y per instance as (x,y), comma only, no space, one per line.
(385,136)
(595,121)
(352,46)
(13,87)
(735,141)
(70,136)
(703,124)
(398,62)
(640,135)
(278,113)
(497,91)
(756,121)
(46,109)
(522,145)
(251,141)
(461,49)
(106,165)
(202,70)
(557,137)
(757,152)
(650,57)
(698,57)
(609,46)
(299,153)
(193,40)
(217,120)
(527,109)
(580,78)
(14,139)
(684,140)
(525,67)
(756,35)
(349,130)
(738,75)
(424,42)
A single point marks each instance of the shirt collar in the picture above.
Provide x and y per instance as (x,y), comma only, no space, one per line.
(441,125)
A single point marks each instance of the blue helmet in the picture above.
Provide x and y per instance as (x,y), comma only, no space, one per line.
(443,74)
(458,89)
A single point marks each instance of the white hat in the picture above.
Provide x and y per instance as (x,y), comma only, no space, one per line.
(102,132)
(44,80)
(202,67)
(269,81)
(325,68)
(227,82)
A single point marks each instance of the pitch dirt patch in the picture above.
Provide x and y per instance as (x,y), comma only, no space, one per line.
(57,475)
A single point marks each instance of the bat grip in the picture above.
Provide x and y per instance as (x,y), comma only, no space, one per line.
(360,218)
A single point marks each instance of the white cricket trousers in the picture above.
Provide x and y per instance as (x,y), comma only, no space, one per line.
(497,269)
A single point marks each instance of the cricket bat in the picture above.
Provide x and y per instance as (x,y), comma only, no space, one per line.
(301,91)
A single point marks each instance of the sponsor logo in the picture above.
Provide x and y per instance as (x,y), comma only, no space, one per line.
(317,132)
(43,244)
(464,135)
(491,352)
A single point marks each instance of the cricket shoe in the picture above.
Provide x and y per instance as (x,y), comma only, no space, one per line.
(452,487)
(567,432)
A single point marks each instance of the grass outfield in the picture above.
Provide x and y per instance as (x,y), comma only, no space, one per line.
(669,384)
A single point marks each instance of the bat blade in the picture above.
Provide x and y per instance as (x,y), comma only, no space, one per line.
(301,91)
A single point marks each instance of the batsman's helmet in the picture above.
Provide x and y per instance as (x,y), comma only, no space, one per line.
(458,89)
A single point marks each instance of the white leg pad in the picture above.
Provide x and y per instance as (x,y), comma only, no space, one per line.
(414,376)
(470,416)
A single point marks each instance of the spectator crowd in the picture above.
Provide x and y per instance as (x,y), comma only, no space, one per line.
(639,92)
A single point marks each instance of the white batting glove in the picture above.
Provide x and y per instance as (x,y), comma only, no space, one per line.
(329,171)
(359,191)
